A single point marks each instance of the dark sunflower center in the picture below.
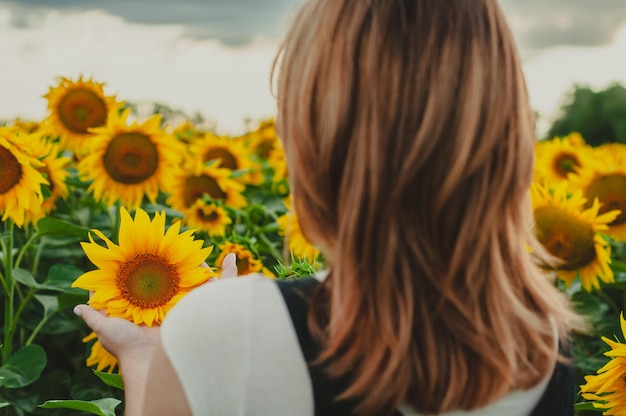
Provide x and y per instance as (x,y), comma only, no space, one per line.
(611,192)
(148,281)
(81,109)
(265,148)
(197,186)
(243,266)
(227,159)
(566,237)
(565,163)
(10,170)
(131,158)
(207,216)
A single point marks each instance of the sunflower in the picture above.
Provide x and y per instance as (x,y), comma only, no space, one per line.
(559,157)
(20,182)
(150,270)
(607,388)
(100,357)
(127,162)
(208,217)
(605,180)
(262,140)
(75,107)
(197,179)
(229,154)
(297,242)
(277,161)
(247,263)
(570,232)
(54,169)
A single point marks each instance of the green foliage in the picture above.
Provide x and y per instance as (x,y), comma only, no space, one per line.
(598,115)
(100,407)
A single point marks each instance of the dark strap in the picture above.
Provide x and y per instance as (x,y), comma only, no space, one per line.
(558,399)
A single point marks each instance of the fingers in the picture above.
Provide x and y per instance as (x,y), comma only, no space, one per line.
(229,266)
(93,318)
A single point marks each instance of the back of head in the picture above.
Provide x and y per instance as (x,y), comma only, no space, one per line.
(409,141)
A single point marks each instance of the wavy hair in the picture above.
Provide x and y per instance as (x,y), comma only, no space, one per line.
(409,140)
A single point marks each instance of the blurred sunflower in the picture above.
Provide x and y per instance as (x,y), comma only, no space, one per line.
(247,263)
(230,154)
(54,170)
(75,107)
(614,152)
(296,240)
(559,157)
(208,217)
(605,180)
(607,389)
(277,161)
(262,140)
(570,232)
(197,179)
(99,357)
(20,182)
(150,270)
(127,162)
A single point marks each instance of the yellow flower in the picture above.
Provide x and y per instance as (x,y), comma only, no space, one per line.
(229,154)
(570,232)
(20,182)
(99,357)
(208,217)
(559,157)
(197,179)
(144,276)
(128,162)
(297,242)
(607,389)
(247,263)
(262,140)
(605,180)
(276,160)
(75,107)
(54,169)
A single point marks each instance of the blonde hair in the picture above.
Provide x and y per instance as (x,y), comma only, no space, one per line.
(409,141)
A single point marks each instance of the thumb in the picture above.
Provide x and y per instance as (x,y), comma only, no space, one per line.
(93,318)
(229,266)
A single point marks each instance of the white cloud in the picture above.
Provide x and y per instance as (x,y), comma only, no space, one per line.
(553,72)
(138,63)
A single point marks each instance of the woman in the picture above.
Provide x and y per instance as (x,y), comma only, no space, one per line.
(409,141)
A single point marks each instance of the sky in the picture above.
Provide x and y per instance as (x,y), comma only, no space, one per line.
(214,56)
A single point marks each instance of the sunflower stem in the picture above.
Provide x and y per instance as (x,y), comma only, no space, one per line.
(37,257)
(38,328)
(24,249)
(7,248)
(271,247)
(609,302)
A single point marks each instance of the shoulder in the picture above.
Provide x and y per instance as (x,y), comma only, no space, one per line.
(232,343)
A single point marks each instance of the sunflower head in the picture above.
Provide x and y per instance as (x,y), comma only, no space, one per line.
(607,388)
(74,108)
(570,232)
(247,262)
(297,242)
(208,217)
(143,276)
(605,181)
(20,181)
(129,161)
(556,159)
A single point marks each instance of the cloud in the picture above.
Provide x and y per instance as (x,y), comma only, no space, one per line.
(232,22)
(541,24)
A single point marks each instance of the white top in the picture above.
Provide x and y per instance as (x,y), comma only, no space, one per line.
(235,351)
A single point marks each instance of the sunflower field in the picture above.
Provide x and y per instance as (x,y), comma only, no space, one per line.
(131,214)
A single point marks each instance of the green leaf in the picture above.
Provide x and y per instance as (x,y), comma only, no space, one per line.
(4,404)
(54,226)
(101,407)
(26,278)
(586,406)
(50,304)
(24,367)
(61,276)
(113,380)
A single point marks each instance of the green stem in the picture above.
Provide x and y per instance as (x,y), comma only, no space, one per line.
(38,328)
(609,301)
(23,304)
(24,249)
(269,244)
(37,257)
(7,248)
